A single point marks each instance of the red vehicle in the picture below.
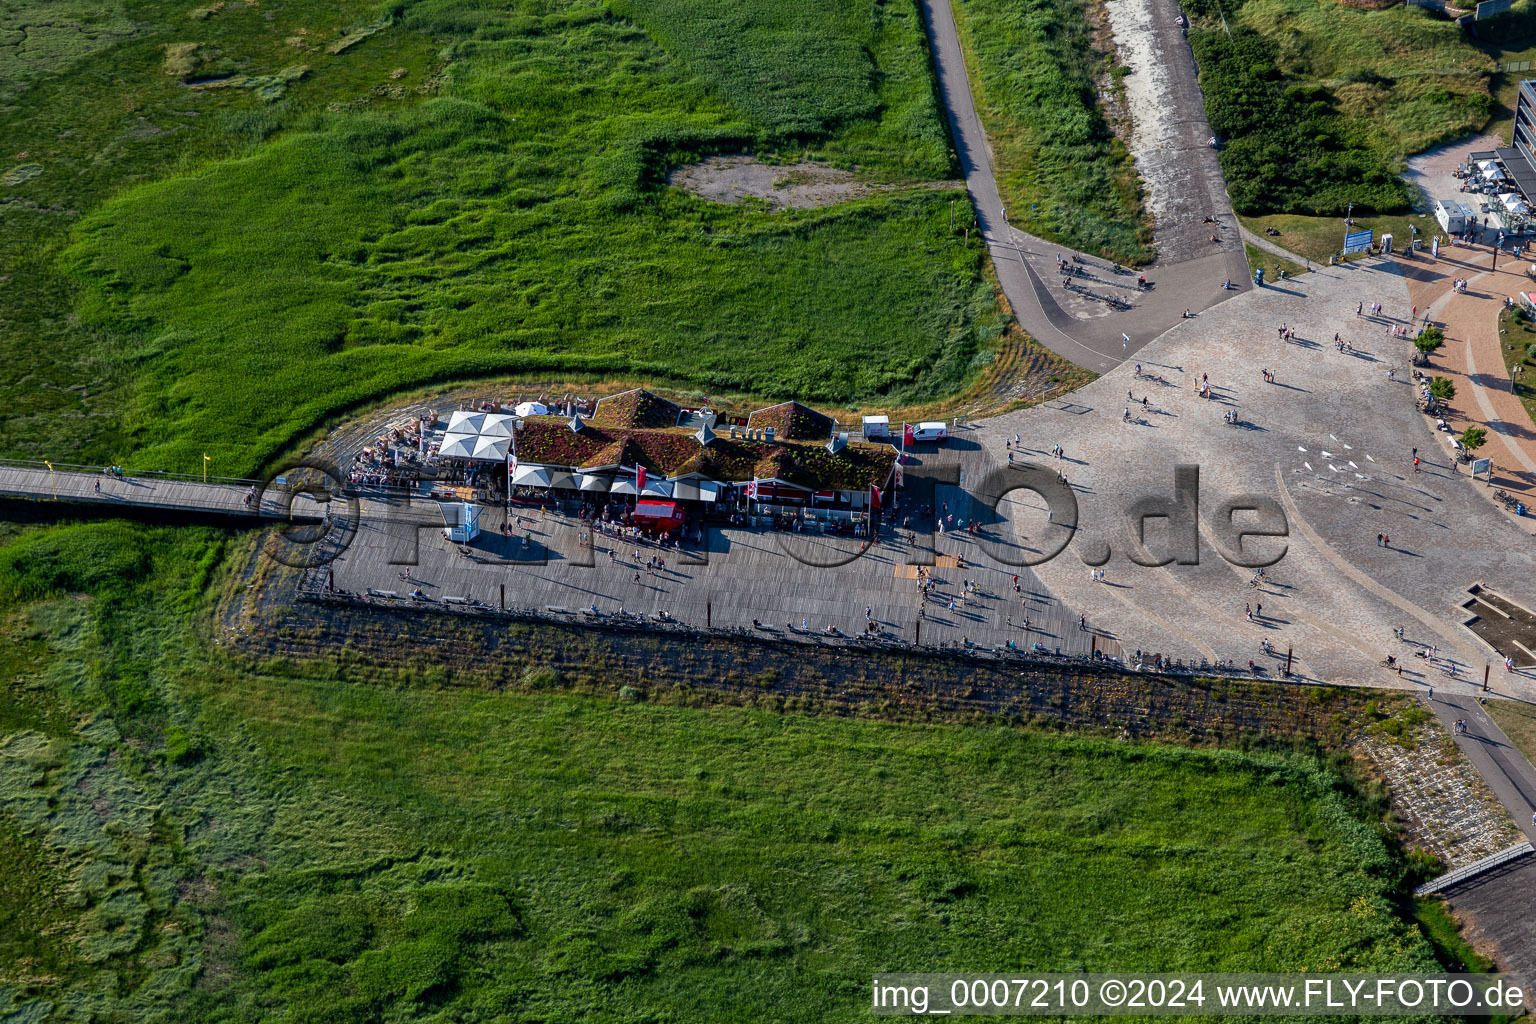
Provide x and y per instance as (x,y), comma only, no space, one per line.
(658,516)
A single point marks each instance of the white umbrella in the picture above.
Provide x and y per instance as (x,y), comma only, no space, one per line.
(531,409)
(458,446)
(593,483)
(657,489)
(531,476)
(623,486)
(561,479)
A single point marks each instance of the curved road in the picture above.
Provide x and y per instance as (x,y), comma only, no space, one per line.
(1026,263)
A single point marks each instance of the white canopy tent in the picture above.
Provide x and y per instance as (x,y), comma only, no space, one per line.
(623,485)
(592,484)
(562,479)
(531,409)
(530,476)
(480,436)
(1513,203)
(656,489)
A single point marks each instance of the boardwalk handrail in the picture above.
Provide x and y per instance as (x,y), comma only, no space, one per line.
(158,474)
(1474,869)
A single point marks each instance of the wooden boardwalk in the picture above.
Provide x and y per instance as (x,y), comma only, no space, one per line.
(155,492)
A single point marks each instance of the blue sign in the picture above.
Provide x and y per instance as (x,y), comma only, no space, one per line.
(1481,466)
(1358,241)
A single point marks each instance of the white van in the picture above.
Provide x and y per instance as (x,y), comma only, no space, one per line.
(936,430)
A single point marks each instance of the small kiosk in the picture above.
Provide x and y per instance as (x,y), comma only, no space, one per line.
(461,521)
(658,516)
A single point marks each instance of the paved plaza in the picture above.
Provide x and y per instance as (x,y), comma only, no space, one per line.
(1329,440)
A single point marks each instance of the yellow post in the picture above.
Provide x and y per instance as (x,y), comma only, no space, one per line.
(205,467)
(52,482)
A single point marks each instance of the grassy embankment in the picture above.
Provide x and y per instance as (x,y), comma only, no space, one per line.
(1519,723)
(205,841)
(1271,263)
(465,193)
(1320,237)
(1062,172)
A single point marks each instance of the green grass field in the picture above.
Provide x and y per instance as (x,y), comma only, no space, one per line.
(1062,172)
(1271,263)
(1418,80)
(1518,722)
(458,193)
(216,843)
(1317,238)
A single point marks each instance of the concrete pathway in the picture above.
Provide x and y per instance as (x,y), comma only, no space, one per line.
(1504,768)
(1026,265)
(1473,358)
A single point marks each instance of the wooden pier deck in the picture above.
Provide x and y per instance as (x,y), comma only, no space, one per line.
(79,486)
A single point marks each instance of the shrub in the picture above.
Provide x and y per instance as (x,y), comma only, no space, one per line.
(96,558)
(1288,150)
(182,747)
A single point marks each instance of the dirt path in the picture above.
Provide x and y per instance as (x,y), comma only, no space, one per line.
(801,186)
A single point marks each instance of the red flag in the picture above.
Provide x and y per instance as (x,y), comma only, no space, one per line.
(906,434)
(874,496)
(639,477)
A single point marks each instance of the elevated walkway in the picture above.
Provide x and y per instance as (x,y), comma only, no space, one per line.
(89,485)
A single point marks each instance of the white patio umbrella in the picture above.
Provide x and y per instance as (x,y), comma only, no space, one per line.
(531,476)
(596,484)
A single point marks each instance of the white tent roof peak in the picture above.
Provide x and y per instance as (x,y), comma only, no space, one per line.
(576,423)
(482,436)
(704,435)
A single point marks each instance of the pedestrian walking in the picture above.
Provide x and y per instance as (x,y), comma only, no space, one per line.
(1258,610)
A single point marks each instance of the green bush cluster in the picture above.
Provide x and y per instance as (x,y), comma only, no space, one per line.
(1063,173)
(1285,148)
